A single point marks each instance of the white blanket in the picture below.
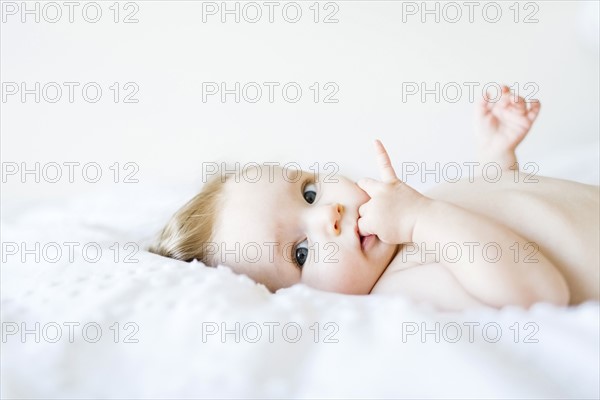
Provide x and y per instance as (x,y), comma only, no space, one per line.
(177,326)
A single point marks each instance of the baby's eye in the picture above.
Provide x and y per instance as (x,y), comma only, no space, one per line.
(310,193)
(301,253)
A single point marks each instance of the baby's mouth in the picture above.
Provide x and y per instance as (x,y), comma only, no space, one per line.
(365,240)
(362,239)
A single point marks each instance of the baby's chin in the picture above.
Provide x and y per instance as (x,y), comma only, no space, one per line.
(346,288)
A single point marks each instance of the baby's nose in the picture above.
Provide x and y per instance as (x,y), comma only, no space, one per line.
(337,211)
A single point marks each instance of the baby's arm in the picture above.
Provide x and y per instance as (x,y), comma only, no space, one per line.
(497,281)
(501,126)
(397,213)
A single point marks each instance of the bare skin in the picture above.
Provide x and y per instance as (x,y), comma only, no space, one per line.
(558,220)
(516,241)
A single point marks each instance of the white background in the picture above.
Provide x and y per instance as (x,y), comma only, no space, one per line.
(369,54)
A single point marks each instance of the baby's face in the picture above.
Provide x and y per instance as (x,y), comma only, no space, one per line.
(289,226)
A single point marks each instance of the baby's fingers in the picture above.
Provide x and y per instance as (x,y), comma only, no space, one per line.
(363,227)
(485,105)
(386,170)
(368,185)
(518,103)
(513,117)
(534,110)
(505,97)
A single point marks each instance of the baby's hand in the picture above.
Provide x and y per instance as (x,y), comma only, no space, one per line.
(503,125)
(392,212)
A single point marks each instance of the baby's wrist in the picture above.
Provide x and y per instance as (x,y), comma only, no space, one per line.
(506,158)
(423,210)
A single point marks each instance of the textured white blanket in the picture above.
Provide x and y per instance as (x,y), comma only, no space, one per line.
(161,328)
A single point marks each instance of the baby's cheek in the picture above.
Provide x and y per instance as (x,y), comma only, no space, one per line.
(336,277)
(322,276)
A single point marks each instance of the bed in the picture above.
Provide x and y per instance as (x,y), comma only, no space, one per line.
(126,323)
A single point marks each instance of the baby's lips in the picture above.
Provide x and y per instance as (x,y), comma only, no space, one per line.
(361,233)
(357,230)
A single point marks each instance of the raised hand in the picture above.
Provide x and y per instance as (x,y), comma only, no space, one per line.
(502,125)
(394,207)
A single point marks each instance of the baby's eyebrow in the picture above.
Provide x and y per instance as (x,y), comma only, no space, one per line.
(295,176)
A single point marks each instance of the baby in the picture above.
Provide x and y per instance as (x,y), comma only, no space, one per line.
(477,242)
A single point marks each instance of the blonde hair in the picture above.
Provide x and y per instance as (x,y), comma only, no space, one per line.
(189,230)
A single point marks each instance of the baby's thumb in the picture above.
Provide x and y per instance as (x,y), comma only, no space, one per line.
(363,228)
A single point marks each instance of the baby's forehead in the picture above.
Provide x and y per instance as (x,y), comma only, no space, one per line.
(270,173)
(251,205)
(262,194)
(256,181)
